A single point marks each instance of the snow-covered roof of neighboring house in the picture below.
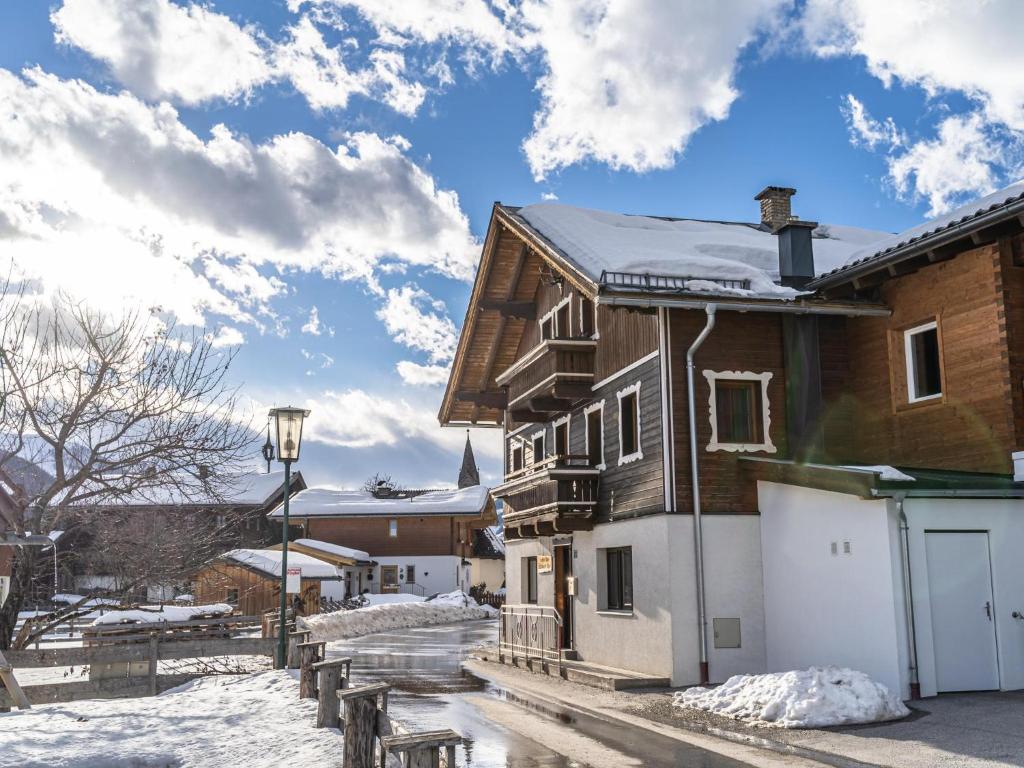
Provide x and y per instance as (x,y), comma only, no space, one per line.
(325,502)
(334,549)
(965,215)
(269,561)
(255,489)
(489,542)
(596,242)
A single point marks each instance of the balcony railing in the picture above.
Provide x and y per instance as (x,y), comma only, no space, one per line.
(555,376)
(557,494)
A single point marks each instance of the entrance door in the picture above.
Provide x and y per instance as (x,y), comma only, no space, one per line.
(389,578)
(963,616)
(563,600)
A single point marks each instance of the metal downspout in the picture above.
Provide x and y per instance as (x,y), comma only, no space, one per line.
(698,539)
(908,598)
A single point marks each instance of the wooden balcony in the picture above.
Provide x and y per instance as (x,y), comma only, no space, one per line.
(554,496)
(552,378)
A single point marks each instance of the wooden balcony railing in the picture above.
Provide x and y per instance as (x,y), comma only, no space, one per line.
(553,377)
(557,494)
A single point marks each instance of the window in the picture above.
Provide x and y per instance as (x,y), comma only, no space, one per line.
(562,437)
(619,572)
(232,597)
(393,528)
(410,574)
(563,326)
(530,575)
(924,376)
(538,447)
(588,319)
(629,424)
(595,434)
(517,457)
(547,328)
(739,412)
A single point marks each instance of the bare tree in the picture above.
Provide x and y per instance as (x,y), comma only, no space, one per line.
(115,408)
(380,481)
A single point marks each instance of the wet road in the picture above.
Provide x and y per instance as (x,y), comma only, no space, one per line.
(431,690)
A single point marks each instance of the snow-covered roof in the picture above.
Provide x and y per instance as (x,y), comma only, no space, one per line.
(959,216)
(705,251)
(269,561)
(334,549)
(245,489)
(326,502)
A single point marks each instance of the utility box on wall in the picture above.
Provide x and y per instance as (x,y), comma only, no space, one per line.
(727,633)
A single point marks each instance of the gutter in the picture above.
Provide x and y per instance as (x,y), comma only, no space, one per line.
(677,302)
(698,539)
(908,599)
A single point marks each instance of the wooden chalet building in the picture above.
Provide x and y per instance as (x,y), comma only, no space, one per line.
(733,447)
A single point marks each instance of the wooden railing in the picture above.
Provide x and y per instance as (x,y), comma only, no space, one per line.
(553,359)
(566,484)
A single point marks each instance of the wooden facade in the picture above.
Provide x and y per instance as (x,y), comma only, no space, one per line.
(421,536)
(249,590)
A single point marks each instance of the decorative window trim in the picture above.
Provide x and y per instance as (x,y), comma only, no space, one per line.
(767,446)
(516,444)
(908,357)
(638,454)
(593,320)
(598,406)
(552,314)
(543,435)
(568,435)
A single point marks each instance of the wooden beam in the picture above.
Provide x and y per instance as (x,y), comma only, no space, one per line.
(497,400)
(526,310)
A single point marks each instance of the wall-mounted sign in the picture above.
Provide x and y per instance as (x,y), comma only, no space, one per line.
(543,563)
(293,584)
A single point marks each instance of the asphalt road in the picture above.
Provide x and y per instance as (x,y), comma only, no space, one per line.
(431,690)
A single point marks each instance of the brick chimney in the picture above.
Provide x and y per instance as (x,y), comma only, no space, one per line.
(776,210)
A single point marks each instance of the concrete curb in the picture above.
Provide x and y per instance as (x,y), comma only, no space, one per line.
(736,737)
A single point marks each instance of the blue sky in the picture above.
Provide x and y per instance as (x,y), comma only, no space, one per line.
(190,156)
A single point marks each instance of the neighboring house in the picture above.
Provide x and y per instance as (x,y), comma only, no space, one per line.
(421,540)
(774,533)
(355,566)
(235,518)
(487,563)
(250,580)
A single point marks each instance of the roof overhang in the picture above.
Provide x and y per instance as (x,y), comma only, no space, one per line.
(798,306)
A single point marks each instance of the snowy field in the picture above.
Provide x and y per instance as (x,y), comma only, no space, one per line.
(811,698)
(250,720)
(410,611)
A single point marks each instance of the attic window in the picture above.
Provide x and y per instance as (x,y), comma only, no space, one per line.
(588,318)
(517,457)
(563,324)
(924,372)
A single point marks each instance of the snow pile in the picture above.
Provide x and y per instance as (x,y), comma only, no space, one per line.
(392,597)
(445,609)
(810,698)
(154,614)
(250,720)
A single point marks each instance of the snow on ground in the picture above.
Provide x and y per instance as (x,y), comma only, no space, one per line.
(809,698)
(156,614)
(250,720)
(444,609)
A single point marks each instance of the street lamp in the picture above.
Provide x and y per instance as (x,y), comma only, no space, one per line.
(288,426)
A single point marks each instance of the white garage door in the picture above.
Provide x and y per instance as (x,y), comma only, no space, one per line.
(963,626)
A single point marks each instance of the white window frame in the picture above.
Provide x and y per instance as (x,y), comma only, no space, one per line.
(767,446)
(568,432)
(552,314)
(392,527)
(511,449)
(638,454)
(593,306)
(909,357)
(543,435)
(598,406)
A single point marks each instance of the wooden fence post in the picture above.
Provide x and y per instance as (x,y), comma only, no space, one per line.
(332,676)
(154,657)
(11,684)
(421,750)
(361,723)
(294,638)
(309,654)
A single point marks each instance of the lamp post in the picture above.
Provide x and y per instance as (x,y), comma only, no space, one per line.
(288,426)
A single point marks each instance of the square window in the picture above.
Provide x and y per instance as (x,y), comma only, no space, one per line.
(738,411)
(619,574)
(393,528)
(924,375)
(530,572)
(232,597)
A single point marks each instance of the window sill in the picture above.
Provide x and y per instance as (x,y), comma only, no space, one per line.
(922,402)
(741,447)
(614,612)
(631,458)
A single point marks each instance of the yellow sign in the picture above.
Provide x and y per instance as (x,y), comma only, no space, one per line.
(543,563)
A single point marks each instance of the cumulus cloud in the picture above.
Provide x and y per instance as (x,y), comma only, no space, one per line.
(193,224)
(226,337)
(865,130)
(413,318)
(312,326)
(418,375)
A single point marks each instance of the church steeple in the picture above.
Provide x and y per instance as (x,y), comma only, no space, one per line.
(468,474)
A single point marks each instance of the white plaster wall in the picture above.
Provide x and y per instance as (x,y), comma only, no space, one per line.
(822,608)
(516,551)
(487,571)
(434,573)
(1004,521)
(733,589)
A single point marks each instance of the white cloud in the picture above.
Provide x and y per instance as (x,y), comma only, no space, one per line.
(940,45)
(226,336)
(418,375)
(418,321)
(865,130)
(198,225)
(162,50)
(312,326)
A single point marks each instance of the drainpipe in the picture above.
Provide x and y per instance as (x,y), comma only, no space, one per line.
(698,539)
(908,598)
